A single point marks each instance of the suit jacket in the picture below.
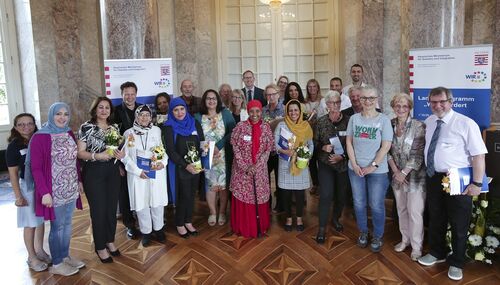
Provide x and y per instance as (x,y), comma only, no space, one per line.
(258,95)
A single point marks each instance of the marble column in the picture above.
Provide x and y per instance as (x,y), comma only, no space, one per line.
(196,57)
(166,30)
(479,22)
(130,29)
(495,98)
(437,23)
(67,55)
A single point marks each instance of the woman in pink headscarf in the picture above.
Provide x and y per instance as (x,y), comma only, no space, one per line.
(252,141)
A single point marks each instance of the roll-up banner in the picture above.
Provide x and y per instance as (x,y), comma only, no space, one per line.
(466,71)
(152,76)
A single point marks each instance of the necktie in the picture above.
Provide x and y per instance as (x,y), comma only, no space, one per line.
(432,149)
(249,95)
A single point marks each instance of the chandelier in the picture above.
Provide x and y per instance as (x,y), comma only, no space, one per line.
(275,5)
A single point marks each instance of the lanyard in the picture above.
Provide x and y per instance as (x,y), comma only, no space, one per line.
(144,144)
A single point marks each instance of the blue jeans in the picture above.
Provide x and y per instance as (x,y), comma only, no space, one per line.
(60,232)
(370,190)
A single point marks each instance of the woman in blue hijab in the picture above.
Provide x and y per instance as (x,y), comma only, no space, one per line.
(55,170)
(182,133)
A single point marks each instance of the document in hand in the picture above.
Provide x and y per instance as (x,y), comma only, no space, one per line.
(460,178)
(285,137)
(145,164)
(207,155)
(337,146)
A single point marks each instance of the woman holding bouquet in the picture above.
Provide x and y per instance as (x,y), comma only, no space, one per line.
(252,142)
(145,161)
(101,176)
(182,137)
(293,178)
(217,123)
(53,165)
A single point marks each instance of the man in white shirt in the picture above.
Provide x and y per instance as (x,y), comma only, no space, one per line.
(452,141)
(336,85)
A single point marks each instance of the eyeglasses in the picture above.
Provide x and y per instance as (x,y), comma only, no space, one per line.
(23,125)
(272,94)
(237,98)
(441,102)
(405,107)
(371,99)
(211,99)
(333,102)
(144,115)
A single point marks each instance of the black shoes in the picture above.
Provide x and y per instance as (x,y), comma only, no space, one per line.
(338,226)
(132,233)
(185,235)
(193,233)
(114,253)
(300,228)
(160,236)
(320,237)
(146,239)
(105,260)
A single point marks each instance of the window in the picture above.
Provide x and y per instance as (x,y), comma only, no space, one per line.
(299,41)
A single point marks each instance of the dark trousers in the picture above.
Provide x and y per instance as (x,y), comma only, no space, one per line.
(101,182)
(186,189)
(313,168)
(127,215)
(272,165)
(444,209)
(332,186)
(299,202)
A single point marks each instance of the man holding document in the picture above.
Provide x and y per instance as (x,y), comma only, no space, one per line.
(452,141)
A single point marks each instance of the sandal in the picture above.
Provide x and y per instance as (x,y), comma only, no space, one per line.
(37,267)
(212,220)
(222,219)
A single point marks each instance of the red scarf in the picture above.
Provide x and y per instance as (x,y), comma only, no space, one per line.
(256,133)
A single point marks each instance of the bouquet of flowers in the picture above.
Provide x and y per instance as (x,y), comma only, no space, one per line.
(193,156)
(303,156)
(113,139)
(483,239)
(158,154)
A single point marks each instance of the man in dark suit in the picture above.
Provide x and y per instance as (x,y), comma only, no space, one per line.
(251,91)
(124,116)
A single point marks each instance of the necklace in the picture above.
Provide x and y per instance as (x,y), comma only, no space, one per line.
(144,144)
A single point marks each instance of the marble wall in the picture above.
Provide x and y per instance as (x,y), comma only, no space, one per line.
(495,102)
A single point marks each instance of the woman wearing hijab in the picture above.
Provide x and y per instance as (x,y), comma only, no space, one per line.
(293,180)
(252,142)
(56,172)
(101,177)
(146,187)
(182,133)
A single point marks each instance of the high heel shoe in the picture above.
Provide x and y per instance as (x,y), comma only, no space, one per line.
(185,236)
(114,253)
(105,260)
(193,233)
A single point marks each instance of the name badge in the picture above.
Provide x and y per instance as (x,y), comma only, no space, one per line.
(342,133)
(247,138)
(23,151)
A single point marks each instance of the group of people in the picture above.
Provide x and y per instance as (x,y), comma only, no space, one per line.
(350,145)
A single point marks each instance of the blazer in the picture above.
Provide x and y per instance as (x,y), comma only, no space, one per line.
(258,95)
(122,119)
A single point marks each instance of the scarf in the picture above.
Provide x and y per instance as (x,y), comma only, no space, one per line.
(256,129)
(138,128)
(184,127)
(302,131)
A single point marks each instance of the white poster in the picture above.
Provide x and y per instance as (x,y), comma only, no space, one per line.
(466,71)
(152,76)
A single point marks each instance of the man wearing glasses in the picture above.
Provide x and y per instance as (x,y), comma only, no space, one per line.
(452,141)
(251,91)
(357,107)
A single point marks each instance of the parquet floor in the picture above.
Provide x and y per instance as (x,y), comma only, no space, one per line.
(218,257)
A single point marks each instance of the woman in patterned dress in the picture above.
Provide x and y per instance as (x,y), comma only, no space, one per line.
(55,169)
(101,177)
(252,142)
(293,180)
(217,123)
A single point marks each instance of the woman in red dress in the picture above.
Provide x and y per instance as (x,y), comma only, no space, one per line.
(252,141)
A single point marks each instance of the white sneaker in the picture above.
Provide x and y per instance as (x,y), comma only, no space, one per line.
(63,269)
(455,273)
(74,262)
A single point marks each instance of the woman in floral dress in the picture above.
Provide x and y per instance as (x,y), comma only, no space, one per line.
(252,142)
(217,123)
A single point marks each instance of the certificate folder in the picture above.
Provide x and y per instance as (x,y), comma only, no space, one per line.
(460,178)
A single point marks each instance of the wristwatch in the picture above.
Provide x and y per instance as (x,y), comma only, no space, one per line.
(478,184)
(374,164)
